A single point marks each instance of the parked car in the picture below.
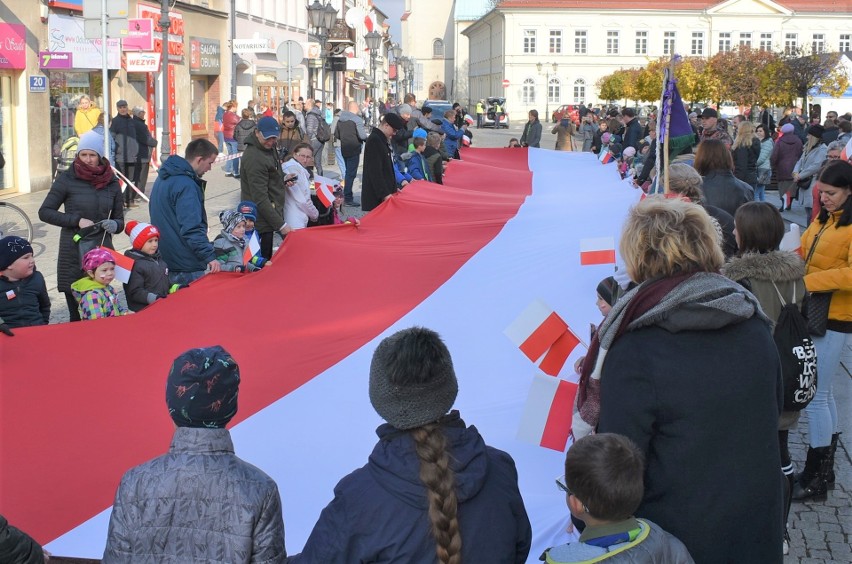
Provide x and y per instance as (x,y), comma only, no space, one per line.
(491,119)
(438,107)
(570,111)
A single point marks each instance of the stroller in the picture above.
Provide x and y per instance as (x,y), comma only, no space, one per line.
(67,154)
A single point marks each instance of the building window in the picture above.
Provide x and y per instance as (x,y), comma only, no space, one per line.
(745,40)
(554,90)
(818,44)
(669,42)
(198,108)
(845,42)
(641,42)
(528,91)
(438,49)
(579,91)
(766,42)
(791,42)
(612,43)
(580,42)
(556,41)
(529,41)
(724,42)
(697,43)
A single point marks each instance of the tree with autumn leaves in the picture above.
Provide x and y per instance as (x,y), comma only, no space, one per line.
(743,76)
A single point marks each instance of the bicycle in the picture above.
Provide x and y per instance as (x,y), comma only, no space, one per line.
(13,221)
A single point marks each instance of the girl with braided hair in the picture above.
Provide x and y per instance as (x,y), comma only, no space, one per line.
(432,490)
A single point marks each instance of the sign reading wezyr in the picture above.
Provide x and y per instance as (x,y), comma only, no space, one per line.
(204,56)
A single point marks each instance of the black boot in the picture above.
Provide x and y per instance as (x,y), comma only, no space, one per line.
(810,484)
(829,476)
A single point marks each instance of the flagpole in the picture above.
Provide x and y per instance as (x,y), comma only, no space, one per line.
(669,77)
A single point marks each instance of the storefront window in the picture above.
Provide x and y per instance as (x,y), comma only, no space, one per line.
(199,104)
(66,88)
(7,173)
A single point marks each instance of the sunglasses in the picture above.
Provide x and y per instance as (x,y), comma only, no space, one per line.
(560,483)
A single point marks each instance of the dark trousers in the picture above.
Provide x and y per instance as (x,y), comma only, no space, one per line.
(479,121)
(128,170)
(73,309)
(351,164)
(141,174)
(266,244)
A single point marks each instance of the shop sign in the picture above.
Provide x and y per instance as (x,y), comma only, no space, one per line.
(176,30)
(66,35)
(204,56)
(77,80)
(312,51)
(140,35)
(55,60)
(13,46)
(259,45)
(142,62)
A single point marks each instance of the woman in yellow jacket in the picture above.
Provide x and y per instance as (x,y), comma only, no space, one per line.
(87,116)
(829,269)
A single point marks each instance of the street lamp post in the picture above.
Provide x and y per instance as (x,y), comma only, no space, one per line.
(322,19)
(396,50)
(373,40)
(547,68)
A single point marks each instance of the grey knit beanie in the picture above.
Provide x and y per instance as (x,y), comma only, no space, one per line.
(412,381)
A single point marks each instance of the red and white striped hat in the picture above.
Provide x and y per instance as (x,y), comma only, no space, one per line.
(139,233)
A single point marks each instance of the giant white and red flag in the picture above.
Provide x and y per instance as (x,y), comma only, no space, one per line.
(465,259)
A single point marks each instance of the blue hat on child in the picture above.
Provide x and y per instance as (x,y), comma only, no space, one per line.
(248,209)
(419,132)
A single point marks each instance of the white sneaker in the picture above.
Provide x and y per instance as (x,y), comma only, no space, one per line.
(785,547)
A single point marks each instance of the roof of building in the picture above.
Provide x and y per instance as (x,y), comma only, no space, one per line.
(795,5)
(466,10)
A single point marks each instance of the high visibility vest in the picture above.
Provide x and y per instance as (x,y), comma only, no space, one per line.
(479,108)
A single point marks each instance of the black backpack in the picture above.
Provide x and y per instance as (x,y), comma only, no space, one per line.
(798,355)
(323,130)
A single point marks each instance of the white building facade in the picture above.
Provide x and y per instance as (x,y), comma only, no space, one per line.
(544,53)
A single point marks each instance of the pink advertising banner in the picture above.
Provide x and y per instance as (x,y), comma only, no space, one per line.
(13,46)
(140,35)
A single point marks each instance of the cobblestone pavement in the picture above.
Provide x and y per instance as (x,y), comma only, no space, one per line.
(820,532)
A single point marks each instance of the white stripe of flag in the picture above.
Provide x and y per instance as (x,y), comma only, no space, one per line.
(252,248)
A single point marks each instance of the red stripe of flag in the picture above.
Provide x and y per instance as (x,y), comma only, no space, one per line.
(555,358)
(558,426)
(606,256)
(543,337)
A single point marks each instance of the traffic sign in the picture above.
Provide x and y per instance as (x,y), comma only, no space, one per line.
(505,83)
(290,53)
(38,83)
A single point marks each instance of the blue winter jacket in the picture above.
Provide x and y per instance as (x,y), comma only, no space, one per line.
(400,175)
(177,209)
(417,167)
(380,512)
(453,136)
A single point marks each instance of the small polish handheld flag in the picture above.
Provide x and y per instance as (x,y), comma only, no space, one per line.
(597,251)
(846,153)
(252,248)
(325,190)
(546,420)
(606,157)
(536,330)
(792,240)
(123,265)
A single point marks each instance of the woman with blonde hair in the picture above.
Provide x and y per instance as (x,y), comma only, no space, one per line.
(685,366)
(745,151)
(432,490)
(86,118)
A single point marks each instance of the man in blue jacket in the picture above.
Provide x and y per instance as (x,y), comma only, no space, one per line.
(177,209)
